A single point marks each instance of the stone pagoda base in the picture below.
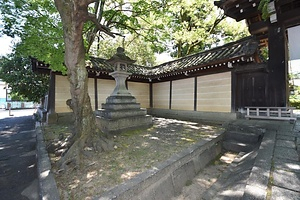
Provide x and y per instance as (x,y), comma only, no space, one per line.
(122,113)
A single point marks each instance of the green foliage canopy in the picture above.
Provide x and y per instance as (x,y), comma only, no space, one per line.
(179,27)
(186,26)
(25,84)
(143,54)
(37,25)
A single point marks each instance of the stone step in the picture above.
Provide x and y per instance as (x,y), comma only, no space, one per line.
(246,128)
(117,126)
(236,146)
(116,114)
(251,138)
(120,99)
(120,106)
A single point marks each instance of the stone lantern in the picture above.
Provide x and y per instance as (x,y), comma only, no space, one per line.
(120,62)
(121,112)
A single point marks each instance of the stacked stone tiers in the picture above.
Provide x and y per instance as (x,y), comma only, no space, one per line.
(122,113)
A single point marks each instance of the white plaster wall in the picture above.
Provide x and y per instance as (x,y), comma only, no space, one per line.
(214,92)
(141,92)
(183,94)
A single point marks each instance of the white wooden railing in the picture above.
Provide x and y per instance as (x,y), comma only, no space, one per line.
(279,113)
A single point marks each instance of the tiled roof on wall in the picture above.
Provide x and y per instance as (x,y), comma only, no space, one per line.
(232,51)
(240,51)
(244,50)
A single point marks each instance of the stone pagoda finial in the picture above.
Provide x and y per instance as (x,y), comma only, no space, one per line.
(120,74)
(120,60)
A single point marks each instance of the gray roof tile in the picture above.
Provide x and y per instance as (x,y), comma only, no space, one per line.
(231,52)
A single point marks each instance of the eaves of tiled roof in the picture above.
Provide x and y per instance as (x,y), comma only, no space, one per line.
(241,51)
(231,52)
(101,66)
(244,50)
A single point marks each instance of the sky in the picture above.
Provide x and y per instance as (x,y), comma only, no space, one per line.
(163,57)
(5,45)
(5,42)
(294,41)
(294,66)
(294,49)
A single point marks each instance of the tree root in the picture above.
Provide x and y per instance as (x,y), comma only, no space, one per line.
(80,148)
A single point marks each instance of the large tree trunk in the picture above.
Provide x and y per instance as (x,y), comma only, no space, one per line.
(73,15)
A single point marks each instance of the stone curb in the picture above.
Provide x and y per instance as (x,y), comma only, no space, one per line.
(257,183)
(47,185)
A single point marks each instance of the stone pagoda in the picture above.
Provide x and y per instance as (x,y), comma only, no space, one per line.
(121,112)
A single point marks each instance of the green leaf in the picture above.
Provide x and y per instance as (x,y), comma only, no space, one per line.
(26,85)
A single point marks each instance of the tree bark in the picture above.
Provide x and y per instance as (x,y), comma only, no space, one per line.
(74,14)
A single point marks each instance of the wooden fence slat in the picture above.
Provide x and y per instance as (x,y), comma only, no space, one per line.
(280,113)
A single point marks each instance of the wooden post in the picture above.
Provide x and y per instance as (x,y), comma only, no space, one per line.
(277,66)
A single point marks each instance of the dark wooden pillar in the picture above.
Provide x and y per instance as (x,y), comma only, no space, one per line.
(51,114)
(277,66)
(151,94)
(96,92)
(51,94)
(195,93)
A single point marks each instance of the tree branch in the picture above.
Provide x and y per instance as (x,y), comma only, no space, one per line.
(216,22)
(135,30)
(100,27)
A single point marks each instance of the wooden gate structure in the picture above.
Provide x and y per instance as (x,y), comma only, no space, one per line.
(271,84)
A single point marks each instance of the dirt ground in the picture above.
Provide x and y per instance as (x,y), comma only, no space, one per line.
(135,152)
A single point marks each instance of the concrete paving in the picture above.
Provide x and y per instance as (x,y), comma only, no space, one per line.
(286,163)
(275,172)
(18,169)
(271,171)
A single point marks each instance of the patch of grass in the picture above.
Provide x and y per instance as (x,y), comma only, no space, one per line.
(138,153)
(188,183)
(216,161)
(270,182)
(131,132)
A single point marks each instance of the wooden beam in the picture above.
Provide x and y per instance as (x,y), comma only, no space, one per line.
(258,27)
(240,9)
(290,18)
